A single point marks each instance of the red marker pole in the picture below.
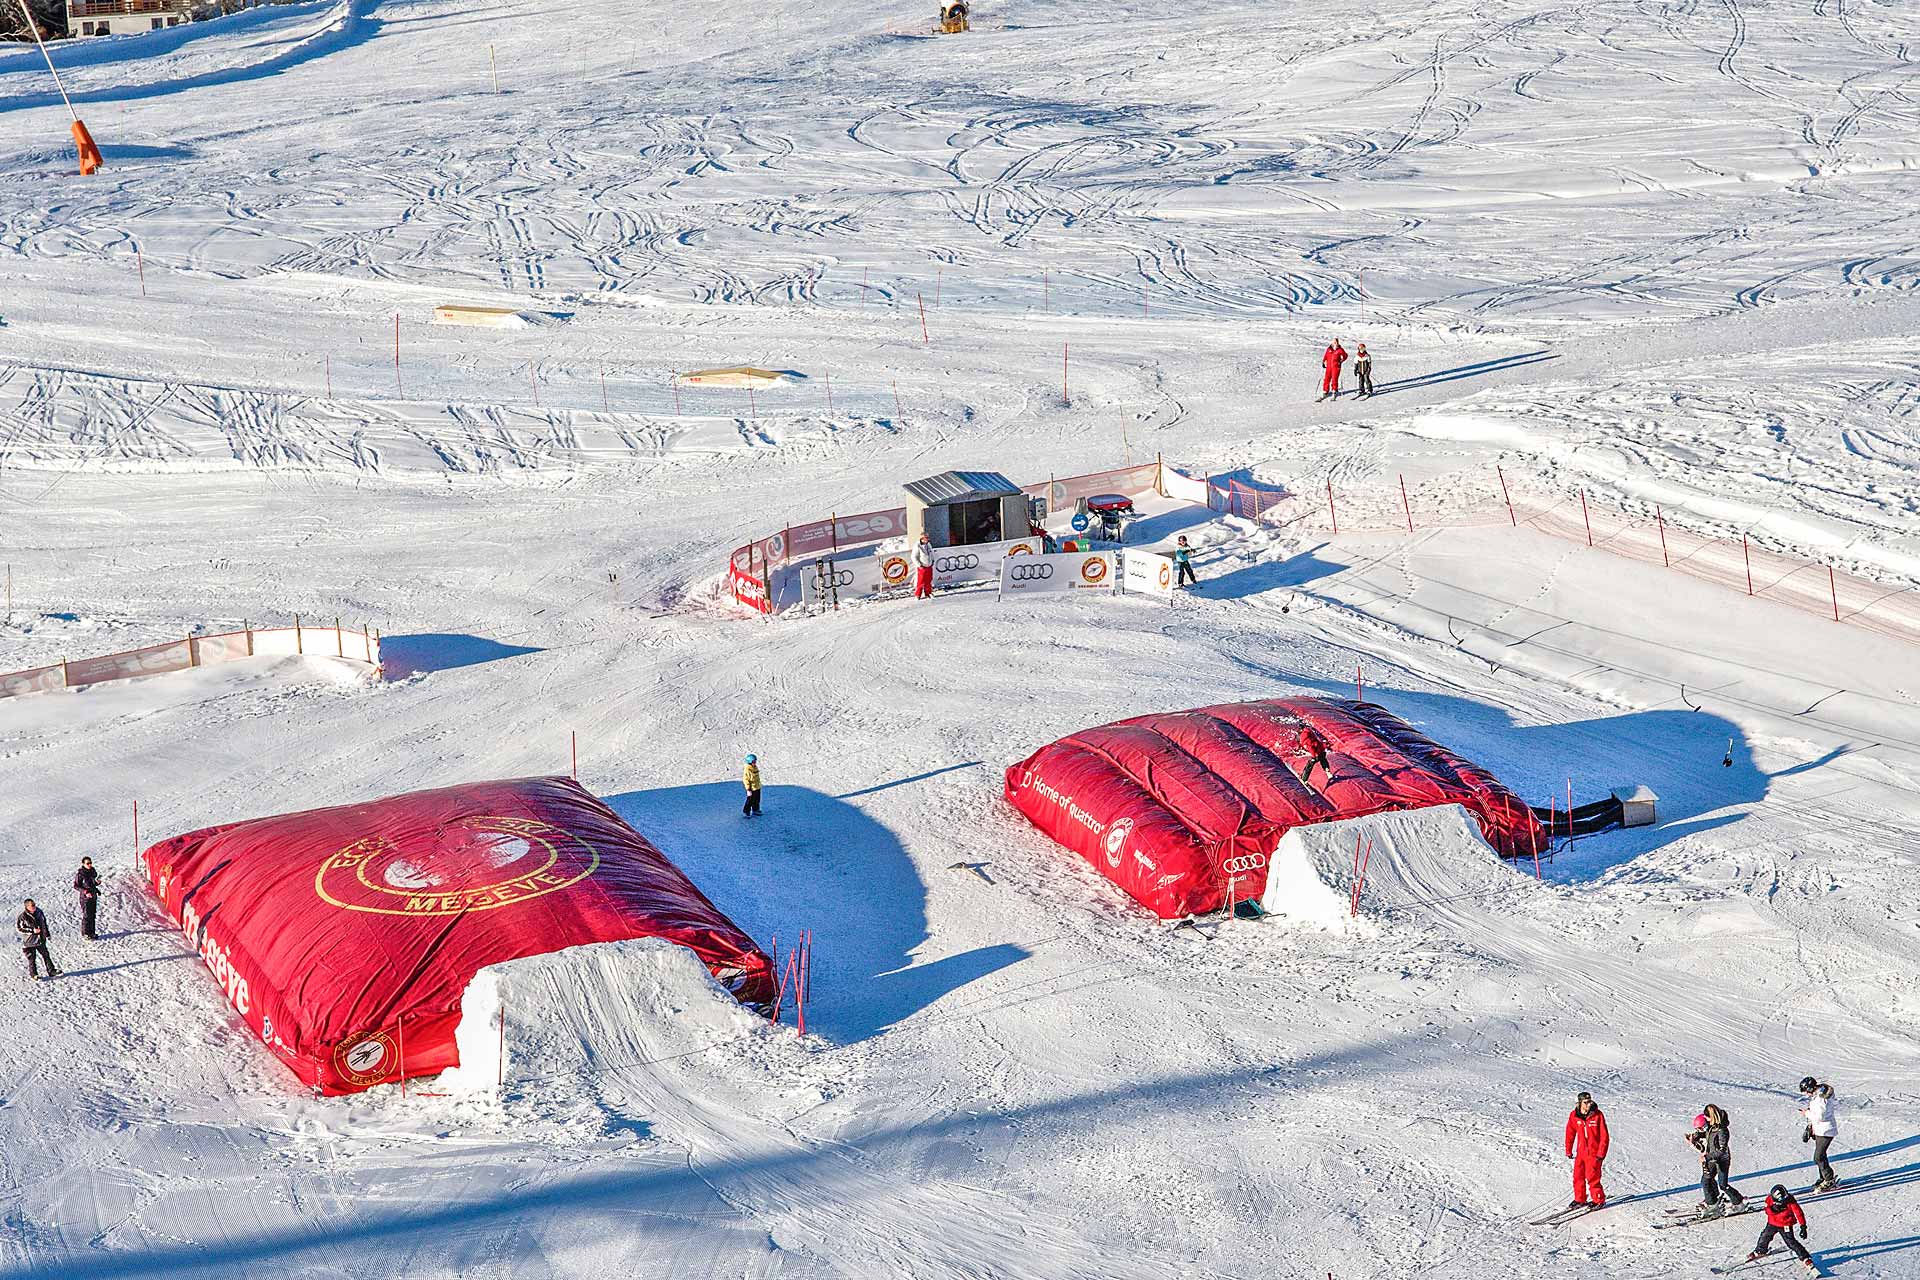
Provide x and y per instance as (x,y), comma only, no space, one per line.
(1661,520)
(329,360)
(1405,505)
(1835,592)
(923,318)
(1584,516)
(1504,493)
(1332,515)
(1748,557)
(674,377)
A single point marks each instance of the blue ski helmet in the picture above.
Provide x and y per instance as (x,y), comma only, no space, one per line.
(751,757)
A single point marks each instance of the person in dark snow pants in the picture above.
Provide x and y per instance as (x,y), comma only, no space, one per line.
(1330,361)
(1821,1128)
(750,779)
(1316,751)
(1183,564)
(1712,1137)
(1363,370)
(86,883)
(1784,1214)
(31,924)
(1587,1142)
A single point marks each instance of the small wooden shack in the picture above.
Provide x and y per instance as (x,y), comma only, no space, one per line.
(966,508)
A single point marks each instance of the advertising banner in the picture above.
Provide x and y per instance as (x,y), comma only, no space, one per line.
(953,566)
(1144,573)
(1068,571)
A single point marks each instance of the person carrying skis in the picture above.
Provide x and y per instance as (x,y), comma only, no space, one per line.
(1315,748)
(1330,361)
(1363,370)
(923,569)
(1821,1128)
(1587,1142)
(750,778)
(86,883)
(1784,1214)
(31,924)
(1183,564)
(1712,1137)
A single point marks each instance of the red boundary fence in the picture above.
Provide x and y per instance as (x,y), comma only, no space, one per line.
(332,641)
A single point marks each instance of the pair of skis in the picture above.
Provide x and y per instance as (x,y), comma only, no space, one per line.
(1694,1217)
(1747,1264)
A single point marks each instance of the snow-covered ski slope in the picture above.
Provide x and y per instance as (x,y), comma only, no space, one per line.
(1664,253)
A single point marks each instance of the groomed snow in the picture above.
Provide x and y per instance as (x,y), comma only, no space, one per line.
(1661,254)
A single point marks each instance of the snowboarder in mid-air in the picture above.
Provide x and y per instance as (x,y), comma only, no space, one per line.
(1363,371)
(1183,564)
(1587,1142)
(1712,1138)
(1784,1214)
(86,883)
(31,924)
(750,779)
(1821,1128)
(1330,361)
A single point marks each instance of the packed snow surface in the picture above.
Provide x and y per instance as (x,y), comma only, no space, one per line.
(1664,257)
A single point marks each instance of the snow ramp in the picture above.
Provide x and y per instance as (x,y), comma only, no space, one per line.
(1418,862)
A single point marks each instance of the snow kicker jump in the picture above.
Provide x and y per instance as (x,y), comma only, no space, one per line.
(1173,806)
(345,937)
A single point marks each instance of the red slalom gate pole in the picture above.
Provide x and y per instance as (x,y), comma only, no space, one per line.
(329,366)
(924,339)
(1569,811)
(1405,505)
(1584,516)
(1331,513)
(1661,520)
(1748,557)
(1505,493)
(674,378)
(1835,592)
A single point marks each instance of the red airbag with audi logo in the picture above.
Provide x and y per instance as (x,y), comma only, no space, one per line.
(345,937)
(1170,806)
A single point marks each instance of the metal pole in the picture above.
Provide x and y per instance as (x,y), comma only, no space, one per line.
(34,27)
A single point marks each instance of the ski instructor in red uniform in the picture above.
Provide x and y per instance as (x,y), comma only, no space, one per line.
(1330,361)
(1587,1148)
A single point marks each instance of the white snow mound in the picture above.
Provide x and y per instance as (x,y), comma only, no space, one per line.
(1419,858)
(588,1010)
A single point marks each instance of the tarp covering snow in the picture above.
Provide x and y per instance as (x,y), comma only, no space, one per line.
(1169,806)
(346,937)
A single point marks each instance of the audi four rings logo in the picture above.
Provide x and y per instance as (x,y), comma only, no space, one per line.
(951,564)
(1094,569)
(838,578)
(1245,862)
(1029,572)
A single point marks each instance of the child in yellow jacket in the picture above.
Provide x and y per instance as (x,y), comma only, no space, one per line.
(751,779)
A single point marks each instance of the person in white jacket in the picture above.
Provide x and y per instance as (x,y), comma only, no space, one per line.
(923,569)
(1822,1128)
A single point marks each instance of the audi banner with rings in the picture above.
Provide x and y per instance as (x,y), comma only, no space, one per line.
(953,566)
(1144,573)
(1067,571)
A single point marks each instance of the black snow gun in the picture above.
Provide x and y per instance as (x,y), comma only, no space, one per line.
(1633,806)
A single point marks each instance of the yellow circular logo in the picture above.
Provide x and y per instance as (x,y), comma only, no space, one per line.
(474,864)
(1094,570)
(367,1059)
(894,570)
(1019,549)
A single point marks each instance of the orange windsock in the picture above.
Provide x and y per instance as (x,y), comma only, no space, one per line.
(83,143)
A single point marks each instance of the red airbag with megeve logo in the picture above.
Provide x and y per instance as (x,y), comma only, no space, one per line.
(345,937)
(1177,806)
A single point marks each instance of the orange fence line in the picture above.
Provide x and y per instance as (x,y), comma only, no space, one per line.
(334,641)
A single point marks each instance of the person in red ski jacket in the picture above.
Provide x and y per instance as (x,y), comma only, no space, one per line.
(1783,1215)
(1316,751)
(1330,360)
(1587,1148)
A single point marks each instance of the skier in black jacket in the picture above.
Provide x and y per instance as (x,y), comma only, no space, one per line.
(1712,1137)
(86,883)
(31,924)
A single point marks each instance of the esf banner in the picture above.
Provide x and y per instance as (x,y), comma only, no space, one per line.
(1144,573)
(1067,571)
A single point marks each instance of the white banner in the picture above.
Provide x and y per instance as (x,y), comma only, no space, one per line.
(955,565)
(1145,573)
(855,576)
(1068,571)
